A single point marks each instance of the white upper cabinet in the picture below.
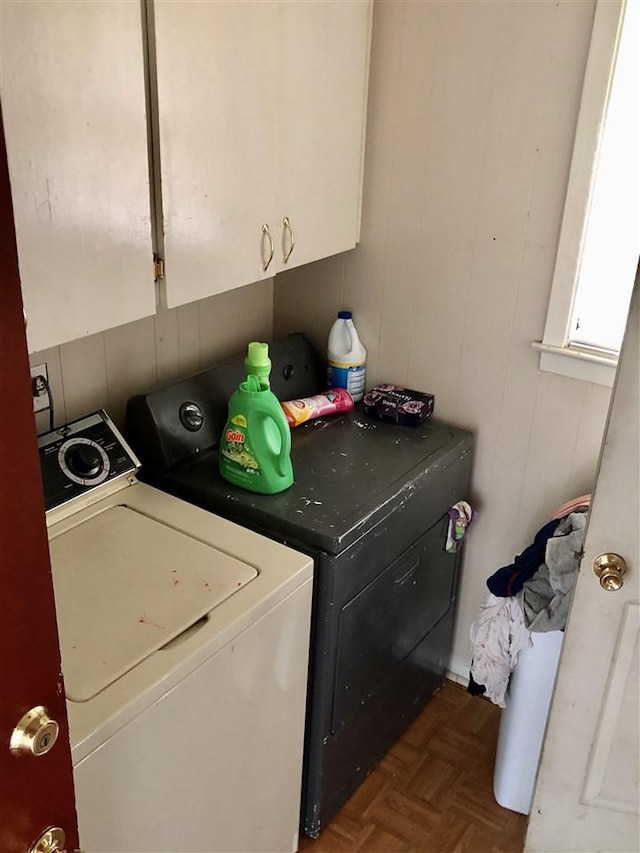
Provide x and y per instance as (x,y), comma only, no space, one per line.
(217,66)
(251,115)
(324,51)
(261,111)
(73,104)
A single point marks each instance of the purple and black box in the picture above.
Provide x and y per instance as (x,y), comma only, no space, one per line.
(402,405)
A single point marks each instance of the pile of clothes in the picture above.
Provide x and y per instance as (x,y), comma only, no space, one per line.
(531,594)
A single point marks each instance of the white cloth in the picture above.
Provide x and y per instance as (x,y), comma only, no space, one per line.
(498,635)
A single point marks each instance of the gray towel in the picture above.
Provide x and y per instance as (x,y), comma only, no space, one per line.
(547,595)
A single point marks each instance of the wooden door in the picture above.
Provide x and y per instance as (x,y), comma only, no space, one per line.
(323,80)
(35,792)
(216,85)
(73,100)
(587,796)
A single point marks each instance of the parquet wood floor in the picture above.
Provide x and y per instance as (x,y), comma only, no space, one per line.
(433,791)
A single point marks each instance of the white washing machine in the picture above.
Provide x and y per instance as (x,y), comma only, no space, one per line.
(184,642)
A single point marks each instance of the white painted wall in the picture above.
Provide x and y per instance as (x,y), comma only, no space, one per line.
(104,370)
(472,113)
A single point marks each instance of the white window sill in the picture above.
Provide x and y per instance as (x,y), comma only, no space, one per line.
(576,364)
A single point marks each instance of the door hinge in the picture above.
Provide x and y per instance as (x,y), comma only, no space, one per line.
(158,268)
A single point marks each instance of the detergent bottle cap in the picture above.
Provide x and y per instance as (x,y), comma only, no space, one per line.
(258,363)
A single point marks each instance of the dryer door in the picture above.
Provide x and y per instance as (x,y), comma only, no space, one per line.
(382,628)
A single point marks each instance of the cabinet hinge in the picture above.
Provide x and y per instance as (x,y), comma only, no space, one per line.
(158,268)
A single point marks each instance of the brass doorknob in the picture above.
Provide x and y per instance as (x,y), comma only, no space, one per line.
(610,568)
(51,841)
(35,734)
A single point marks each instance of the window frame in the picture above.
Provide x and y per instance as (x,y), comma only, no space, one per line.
(556,355)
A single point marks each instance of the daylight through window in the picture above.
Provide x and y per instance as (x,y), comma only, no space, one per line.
(612,234)
(600,235)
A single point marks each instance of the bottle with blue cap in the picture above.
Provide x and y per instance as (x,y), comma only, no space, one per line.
(346,357)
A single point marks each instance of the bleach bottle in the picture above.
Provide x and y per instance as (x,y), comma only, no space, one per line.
(346,357)
(255,449)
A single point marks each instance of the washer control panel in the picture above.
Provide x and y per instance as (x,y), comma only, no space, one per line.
(81,456)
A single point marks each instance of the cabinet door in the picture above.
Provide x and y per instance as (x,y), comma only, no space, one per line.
(323,88)
(73,100)
(216,67)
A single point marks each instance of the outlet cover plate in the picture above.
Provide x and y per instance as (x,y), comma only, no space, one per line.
(41,403)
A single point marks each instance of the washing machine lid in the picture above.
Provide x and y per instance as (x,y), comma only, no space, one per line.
(126,584)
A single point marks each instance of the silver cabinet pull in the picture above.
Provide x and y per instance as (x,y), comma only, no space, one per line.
(286,226)
(265,231)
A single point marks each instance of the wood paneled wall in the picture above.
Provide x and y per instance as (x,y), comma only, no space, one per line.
(472,113)
(104,370)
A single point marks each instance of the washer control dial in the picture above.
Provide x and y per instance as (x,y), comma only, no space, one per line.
(83,461)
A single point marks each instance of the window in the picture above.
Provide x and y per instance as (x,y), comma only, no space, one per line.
(600,235)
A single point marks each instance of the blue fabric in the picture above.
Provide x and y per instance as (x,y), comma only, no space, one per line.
(509,580)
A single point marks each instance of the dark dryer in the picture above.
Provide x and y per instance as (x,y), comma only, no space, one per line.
(369,504)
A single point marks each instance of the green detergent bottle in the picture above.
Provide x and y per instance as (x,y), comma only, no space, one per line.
(255,449)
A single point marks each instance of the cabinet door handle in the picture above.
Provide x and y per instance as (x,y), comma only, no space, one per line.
(286,226)
(265,231)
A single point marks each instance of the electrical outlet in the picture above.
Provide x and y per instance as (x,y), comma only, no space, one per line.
(41,400)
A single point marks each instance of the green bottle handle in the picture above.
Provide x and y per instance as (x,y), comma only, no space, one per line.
(264,404)
(285,435)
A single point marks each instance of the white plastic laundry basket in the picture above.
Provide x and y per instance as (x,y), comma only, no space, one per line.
(523,721)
